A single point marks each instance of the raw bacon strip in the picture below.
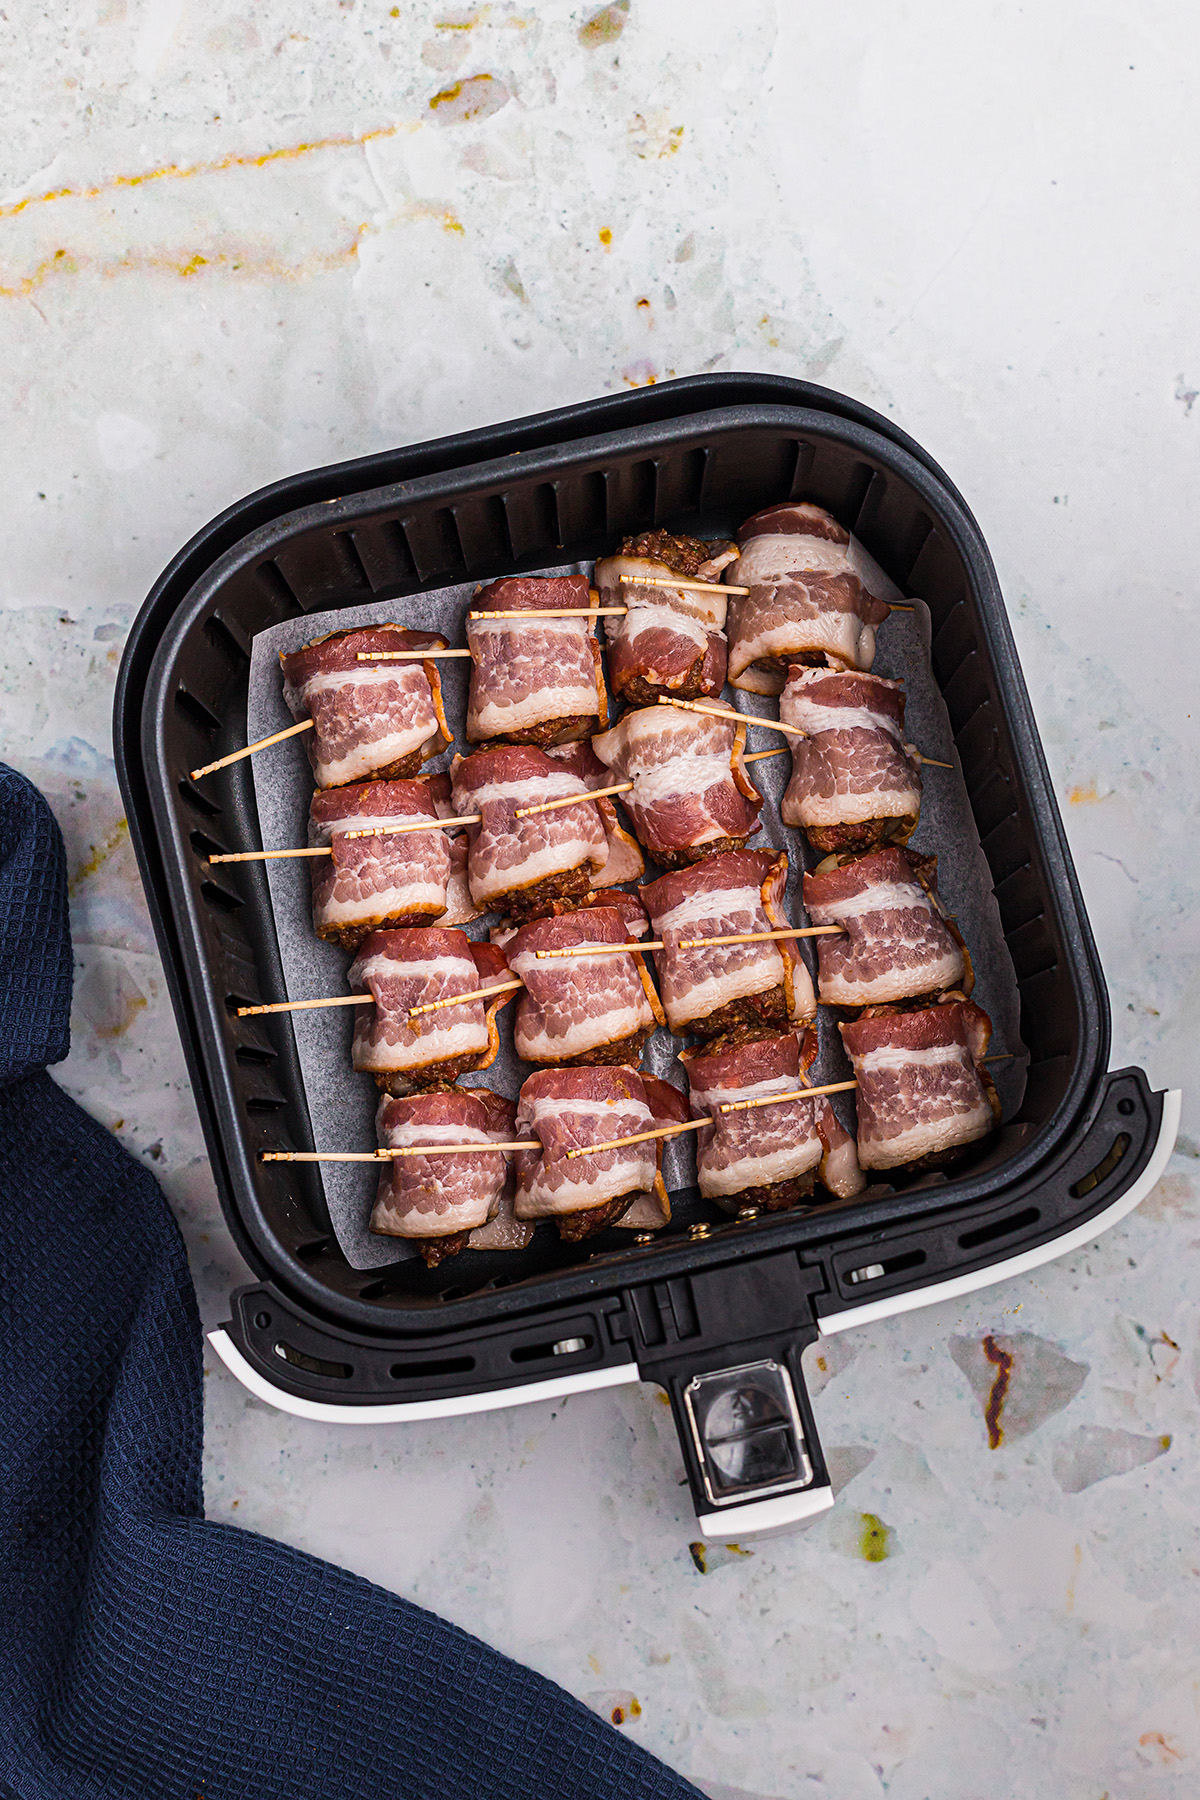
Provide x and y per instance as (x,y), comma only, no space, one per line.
(536,681)
(503,1231)
(569,1109)
(896,943)
(768,1157)
(436,1200)
(854,782)
(671,640)
(691,796)
(722,986)
(921,1095)
(370,883)
(520,866)
(815,596)
(403,969)
(628,905)
(650,1212)
(370,720)
(625,859)
(586,1009)
(460,908)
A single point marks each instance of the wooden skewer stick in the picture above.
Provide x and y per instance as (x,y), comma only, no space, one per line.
(408,655)
(556,612)
(526,812)
(371,1156)
(603,949)
(806,1093)
(370,831)
(504,987)
(761,755)
(377,1156)
(899,606)
(459,1149)
(281,1006)
(737,718)
(683,586)
(639,1137)
(760,937)
(276,737)
(420,825)
(268,855)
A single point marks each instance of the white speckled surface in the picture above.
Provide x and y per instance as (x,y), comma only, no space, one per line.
(239,241)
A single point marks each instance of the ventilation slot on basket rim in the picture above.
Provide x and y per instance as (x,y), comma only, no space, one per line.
(202,802)
(892,1265)
(987,1234)
(271,576)
(564,1346)
(223,634)
(220,897)
(443,1365)
(1103,1168)
(315,1365)
(195,710)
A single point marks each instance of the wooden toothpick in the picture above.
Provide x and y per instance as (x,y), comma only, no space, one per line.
(276,737)
(282,1006)
(638,1137)
(555,612)
(377,1156)
(503,987)
(759,937)
(805,1093)
(408,655)
(527,812)
(684,586)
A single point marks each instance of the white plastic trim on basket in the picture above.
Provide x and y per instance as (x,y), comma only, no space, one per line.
(401,1412)
(759,1515)
(872,1310)
(778,1514)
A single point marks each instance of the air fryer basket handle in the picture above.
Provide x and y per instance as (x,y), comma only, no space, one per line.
(725,1343)
(750,1445)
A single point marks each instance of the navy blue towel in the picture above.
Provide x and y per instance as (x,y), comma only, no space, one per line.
(145,1651)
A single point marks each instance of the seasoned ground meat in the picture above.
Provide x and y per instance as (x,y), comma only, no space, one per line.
(574,1227)
(349,937)
(626,1052)
(745,1017)
(682,555)
(549,732)
(640,692)
(683,859)
(401,770)
(780,1196)
(435,1249)
(435,1077)
(531,902)
(869,834)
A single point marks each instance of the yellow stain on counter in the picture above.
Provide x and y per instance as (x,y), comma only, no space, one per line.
(244,260)
(100,854)
(186,171)
(1084,796)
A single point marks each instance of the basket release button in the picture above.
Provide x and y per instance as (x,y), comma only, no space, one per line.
(746,1428)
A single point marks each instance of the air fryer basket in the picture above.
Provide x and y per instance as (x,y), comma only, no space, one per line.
(717,1312)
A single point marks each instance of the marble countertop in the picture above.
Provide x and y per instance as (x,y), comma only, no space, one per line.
(237,242)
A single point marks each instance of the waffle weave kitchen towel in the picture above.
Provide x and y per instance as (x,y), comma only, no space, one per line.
(145,1651)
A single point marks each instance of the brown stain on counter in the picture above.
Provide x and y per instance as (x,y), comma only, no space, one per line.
(1002,1360)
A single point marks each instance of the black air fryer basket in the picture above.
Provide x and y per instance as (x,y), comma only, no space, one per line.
(716,1311)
